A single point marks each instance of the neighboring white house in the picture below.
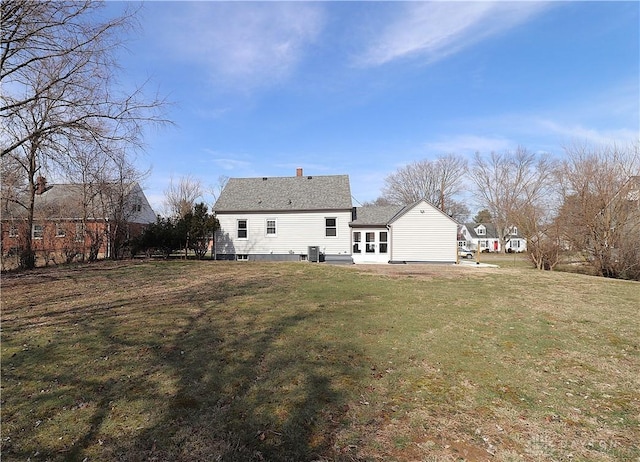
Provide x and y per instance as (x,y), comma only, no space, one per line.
(312,217)
(484,236)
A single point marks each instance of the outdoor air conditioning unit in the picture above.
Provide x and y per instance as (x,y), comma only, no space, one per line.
(314,253)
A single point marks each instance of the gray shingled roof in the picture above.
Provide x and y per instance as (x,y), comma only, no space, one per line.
(65,202)
(58,201)
(375,215)
(491,230)
(328,192)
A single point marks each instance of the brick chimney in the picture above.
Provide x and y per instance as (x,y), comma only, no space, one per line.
(299,171)
(41,185)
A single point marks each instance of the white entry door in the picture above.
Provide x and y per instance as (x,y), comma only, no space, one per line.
(370,246)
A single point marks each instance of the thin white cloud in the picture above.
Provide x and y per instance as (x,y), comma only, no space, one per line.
(467,144)
(231,164)
(600,118)
(435,30)
(242,44)
(227,161)
(574,132)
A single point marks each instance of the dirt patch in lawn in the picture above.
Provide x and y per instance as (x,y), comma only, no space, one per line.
(425,271)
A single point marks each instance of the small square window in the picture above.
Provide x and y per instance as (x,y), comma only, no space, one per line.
(60,231)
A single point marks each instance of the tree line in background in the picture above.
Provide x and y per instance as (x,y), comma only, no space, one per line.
(64,112)
(585,205)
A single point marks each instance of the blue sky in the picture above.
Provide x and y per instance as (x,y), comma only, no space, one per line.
(363,88)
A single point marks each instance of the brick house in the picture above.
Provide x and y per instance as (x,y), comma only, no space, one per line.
(75,221)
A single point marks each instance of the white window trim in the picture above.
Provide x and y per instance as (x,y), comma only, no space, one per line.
(275,226)
(33,232)
(13,231)
(60,230)
(246,229)
(331,227)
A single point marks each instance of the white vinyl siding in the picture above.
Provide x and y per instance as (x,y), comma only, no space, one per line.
(423,234)
(296,231)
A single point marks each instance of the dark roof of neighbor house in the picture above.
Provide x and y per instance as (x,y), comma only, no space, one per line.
(326,192)
(375,215)
(65,202)
(491,231)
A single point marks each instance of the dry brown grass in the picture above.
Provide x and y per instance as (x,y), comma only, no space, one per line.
(227,361)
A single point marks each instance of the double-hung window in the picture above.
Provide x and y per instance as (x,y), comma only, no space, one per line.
(242,229)
(272,230)
(331,228)
(60,231)
(38,232)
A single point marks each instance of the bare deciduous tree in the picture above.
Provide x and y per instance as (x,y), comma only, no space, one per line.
(600,213)
(509,183)
(216,190)
(58,73)
(181,196)
(437,181)
(380,201)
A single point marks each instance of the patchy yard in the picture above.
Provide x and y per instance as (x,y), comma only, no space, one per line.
(242,361)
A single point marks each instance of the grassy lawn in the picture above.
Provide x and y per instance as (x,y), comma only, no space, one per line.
(241,361)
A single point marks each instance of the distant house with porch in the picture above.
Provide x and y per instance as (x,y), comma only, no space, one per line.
(485,238)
